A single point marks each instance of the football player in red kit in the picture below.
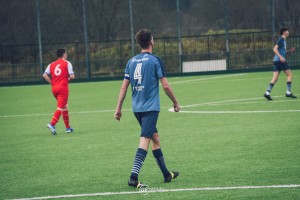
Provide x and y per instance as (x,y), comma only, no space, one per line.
(58,74)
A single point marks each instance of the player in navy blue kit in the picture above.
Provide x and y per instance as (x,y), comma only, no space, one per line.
(143,72)
(280,63)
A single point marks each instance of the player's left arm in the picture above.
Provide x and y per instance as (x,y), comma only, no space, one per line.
(291,50)
(71,77)
(165,84)
(168,90)
(71,72)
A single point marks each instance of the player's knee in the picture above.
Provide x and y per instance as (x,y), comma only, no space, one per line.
(62,108)
(155,139)
(144,143)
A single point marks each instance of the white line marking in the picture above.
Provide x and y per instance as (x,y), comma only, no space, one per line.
(171,109)
(146,191)
(81,112)
(215,103)
(225,101)
(205,79)
(246,102)
(238,112)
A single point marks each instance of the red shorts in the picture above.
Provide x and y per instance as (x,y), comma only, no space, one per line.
(61,97)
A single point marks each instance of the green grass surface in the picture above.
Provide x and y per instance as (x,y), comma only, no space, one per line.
(223,140)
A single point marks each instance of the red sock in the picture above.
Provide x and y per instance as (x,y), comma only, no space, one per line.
(65,115)
(55,117)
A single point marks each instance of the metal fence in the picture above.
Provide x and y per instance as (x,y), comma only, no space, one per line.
(248,51)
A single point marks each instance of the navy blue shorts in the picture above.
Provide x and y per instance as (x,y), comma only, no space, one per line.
(278,66)
(147,121)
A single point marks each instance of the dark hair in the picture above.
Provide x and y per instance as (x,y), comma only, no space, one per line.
(60,52)
(282,30)
(143,38)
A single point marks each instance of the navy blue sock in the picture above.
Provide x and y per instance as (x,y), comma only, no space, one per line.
(138,162)
(158,155)
(288,85)
(269,89)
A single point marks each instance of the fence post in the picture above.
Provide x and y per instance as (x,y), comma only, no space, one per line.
(226,33)
(39,36)
(86,42)
(131,28)
(179,35)
(273,20)
(208,47)
(121,67)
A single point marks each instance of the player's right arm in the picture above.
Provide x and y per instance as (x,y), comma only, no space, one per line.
(275,49)
(168,90)
(71,72)
(122,95)
(46,75)
(280,43)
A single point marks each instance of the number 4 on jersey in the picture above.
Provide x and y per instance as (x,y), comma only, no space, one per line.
(138,73)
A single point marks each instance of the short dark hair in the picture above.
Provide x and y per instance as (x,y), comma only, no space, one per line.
(60,52)
(282,30)
(143,38)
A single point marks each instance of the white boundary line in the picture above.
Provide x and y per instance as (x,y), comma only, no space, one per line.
(228,101)
(204,79)
(247,102)
(44,114)
(239,112)
(171,109)
(149,190)
(232,111)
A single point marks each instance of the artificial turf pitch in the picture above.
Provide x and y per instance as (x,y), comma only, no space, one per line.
(227,135)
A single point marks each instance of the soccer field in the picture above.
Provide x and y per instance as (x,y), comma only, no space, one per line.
(228,142)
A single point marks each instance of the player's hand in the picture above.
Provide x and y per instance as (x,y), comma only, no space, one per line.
(176,107)
(282,59)
(292,49)
(118,115)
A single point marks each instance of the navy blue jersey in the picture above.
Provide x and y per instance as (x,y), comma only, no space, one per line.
(281,49)
(144,71)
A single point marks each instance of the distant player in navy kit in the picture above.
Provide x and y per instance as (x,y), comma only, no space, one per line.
(280,63)
(143,72)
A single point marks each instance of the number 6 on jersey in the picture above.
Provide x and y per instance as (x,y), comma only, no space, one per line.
(57,70)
